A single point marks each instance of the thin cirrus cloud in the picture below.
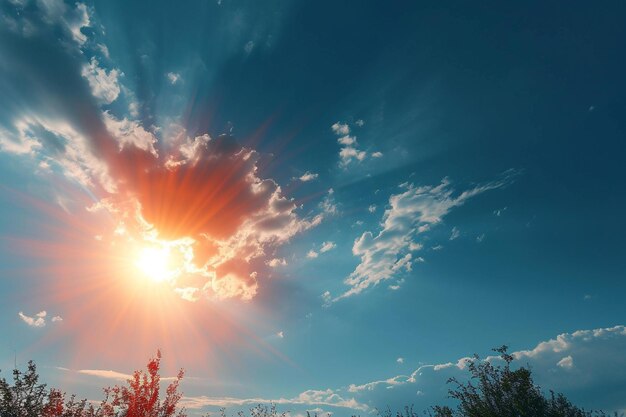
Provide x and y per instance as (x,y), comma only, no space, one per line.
(202,196)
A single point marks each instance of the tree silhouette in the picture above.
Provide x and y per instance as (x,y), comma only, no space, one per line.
(26,398)
(495,391)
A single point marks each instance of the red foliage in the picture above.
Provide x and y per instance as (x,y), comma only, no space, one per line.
(141,397)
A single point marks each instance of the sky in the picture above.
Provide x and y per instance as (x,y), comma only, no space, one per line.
(326,205)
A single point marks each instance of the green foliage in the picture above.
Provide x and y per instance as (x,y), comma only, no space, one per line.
(495,391)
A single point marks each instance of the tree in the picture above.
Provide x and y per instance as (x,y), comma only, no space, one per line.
(26,398)
(495,391)
(141,397)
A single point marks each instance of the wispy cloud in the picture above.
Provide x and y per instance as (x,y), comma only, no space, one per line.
(412,212)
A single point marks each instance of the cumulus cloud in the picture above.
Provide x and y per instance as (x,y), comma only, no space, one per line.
(349,151)
(104,86)
(308,176)
(414,211)
(38,320)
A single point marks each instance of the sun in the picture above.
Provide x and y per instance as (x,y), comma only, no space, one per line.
(154,263)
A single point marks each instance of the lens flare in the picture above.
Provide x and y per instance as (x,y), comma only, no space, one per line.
(154,263)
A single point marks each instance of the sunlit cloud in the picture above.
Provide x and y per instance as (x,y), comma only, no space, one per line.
(38,320)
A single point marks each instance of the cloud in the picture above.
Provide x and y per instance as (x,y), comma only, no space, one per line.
(39,320)
(372,208)
(308,176)
(275,262)
(400,360)
(56,319)
(201,197)
(585,365)
(455,233)
(104,86)
(359,123)
(567,362)
(173,77)
(327,398)
(480,238)
(341,128)
(130,133)
(326,246)
(312,254)
(100,373)
(414,211)
(349,151)
(281,334)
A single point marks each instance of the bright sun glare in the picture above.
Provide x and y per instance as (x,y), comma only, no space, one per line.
(154,263)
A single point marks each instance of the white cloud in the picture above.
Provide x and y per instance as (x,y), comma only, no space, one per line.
(275,262)
(173,77)
(328,205)
(341,128)
(359,123)
(128,132)
(455,233)
(57,319)
(104,86)
(108,374)
(567,362)
(39,320)
(308,176)
(326,246)
(349,151)
(412,212)
(328,398)
(400,360)
(312,254)
(281,334)
(480,238)
(372,208)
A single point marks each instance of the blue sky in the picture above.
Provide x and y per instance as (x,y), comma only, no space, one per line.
(326,204)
